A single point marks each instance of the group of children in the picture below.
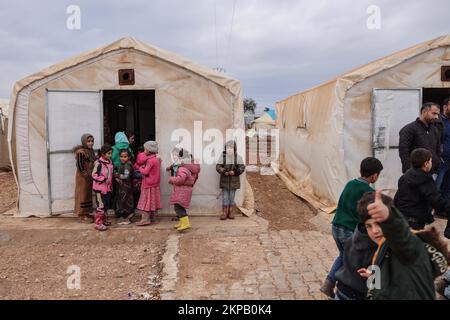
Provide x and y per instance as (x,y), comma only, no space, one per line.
(374,232)
(125,182)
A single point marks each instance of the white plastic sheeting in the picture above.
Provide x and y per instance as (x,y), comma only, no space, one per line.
(4,154)
(185,92)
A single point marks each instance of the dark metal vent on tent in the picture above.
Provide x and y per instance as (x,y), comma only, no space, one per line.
(445,73)
(126,77)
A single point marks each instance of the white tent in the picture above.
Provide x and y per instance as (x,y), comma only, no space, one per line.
(4,154)
(264,122)
(326,131)
(49,111)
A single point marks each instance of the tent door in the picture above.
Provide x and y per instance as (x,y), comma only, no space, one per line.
(392,109)
(69,114)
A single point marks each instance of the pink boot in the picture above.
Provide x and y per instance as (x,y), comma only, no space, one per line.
(100,221)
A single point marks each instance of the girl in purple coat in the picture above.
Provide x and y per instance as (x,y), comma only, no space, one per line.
(102,176)
(183,183)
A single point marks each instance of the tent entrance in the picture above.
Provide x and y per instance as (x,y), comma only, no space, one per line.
(129,111)
(436,95)
(392,109)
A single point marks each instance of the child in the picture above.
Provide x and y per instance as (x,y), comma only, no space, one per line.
(85,157)
(230,167)
(150,198)
(141,158)
(121,142)
(346,218)
(183,183)
(172,169)
(407,263)
(102,174)
(418,194)
(124,193)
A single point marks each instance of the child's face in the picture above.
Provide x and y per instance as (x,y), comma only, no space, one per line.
(175,156)
(90,142)
(146,151)
(374,178)
(428,165)
(108,155)
(230,151)
(374,231)
(124,158)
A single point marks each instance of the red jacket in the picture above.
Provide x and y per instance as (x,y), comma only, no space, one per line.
(102,175)
(183,184)
(151,172)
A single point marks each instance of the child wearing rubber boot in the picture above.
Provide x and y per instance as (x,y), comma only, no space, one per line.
(183,182)
(150,198)
(230,167)
(102,176)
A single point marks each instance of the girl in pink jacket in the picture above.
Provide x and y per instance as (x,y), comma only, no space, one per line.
(102,176)
(150,198)
(183,184)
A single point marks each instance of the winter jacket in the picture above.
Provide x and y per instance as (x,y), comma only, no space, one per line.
(102,175)
(408,264)
(444,125)
(417,195)
(418,135)
(183,184)
(230,182)
(151,172)
(121,142)
(358,253)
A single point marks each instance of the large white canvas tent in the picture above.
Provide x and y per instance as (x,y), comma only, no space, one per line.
(49,111)
(326,131)
(4,154)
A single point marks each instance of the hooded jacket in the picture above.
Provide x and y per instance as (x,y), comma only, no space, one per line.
(409,263)
(183,184)
(358,253)
(102,174)
(121,142)
(417,195)
(151,171)
(227,164)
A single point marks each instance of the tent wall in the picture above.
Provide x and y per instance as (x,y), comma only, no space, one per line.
(4,154)
(182,97)
(322,157)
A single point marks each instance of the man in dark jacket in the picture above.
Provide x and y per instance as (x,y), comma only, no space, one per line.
(358,252)
(422,133)
(443,178)
(417,193)
(407,263)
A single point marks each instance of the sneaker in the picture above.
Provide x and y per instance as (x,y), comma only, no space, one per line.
(100,227)
(123,222)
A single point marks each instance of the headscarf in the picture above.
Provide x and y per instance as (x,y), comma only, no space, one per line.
(121,137)
(89,152)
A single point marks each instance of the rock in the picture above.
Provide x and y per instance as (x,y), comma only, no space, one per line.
(142,266)
(61,255)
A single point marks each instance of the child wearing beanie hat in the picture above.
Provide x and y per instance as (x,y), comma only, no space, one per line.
(150,198)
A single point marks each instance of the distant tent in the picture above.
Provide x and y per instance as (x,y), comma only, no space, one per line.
(266,121)
(4,154)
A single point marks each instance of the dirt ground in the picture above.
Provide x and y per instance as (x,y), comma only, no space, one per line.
(8,191)
(275,203)
(36,264)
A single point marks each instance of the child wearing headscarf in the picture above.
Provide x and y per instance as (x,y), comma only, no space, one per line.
(85,157)
(121,142)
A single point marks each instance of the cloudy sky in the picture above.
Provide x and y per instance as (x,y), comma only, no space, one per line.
(276,48)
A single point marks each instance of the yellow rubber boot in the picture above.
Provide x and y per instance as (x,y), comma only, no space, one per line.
(185,224)
(178,224)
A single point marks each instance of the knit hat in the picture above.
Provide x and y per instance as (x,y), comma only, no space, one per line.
(151,146)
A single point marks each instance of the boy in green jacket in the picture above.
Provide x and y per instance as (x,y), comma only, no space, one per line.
(347,218)
(408,263)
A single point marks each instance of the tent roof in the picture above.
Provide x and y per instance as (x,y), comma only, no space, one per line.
(130,43)
(361,73)
(265,118)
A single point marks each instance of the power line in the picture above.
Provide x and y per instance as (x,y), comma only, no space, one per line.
(231,32)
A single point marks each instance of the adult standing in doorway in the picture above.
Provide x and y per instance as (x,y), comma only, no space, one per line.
(422,133)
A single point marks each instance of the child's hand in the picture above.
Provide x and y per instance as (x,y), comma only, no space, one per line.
(363,272)
(231,173)
(378,210)
(226,173)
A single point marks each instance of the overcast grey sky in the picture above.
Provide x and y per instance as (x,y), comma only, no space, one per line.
(276,48)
